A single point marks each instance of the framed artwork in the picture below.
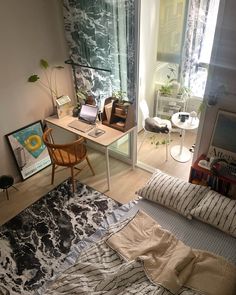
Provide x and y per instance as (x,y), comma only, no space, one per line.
(30,153)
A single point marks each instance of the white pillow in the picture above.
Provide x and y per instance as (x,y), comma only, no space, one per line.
(172,192)
(217,210)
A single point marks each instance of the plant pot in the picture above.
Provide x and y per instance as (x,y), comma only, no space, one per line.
(75,112)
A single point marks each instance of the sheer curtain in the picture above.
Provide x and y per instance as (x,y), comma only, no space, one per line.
(199,35)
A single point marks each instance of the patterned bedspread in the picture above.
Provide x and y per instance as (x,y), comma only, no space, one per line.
(101,270)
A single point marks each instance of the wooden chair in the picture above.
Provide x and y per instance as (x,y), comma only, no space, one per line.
(67,155)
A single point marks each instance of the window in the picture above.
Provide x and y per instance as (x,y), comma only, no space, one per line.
(185,39)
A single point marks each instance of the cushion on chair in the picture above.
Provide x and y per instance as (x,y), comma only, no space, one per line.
(154,125)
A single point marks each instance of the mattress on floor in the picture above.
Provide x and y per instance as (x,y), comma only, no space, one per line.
(193,233)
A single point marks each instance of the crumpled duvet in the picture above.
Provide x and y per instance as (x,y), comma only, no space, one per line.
(138,257)
(169,262)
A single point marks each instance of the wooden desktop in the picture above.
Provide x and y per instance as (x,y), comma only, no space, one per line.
(110,136)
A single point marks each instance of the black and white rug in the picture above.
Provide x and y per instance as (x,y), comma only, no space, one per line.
(35,243)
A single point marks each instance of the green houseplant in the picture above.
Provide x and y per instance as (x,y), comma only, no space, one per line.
(50,81)
(167,88)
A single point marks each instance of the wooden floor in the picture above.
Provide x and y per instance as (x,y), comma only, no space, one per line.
(124,180)
(155,156)
(124,183)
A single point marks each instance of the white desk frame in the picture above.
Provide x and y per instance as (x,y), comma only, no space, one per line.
(179,152)
(105,140)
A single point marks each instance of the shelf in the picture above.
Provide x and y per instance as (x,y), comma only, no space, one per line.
(120,116)
(169,98)
(220,184)
(126,115)
(167,105)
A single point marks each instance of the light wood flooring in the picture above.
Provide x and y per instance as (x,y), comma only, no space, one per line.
(124,183)
(154,156)
(124,180)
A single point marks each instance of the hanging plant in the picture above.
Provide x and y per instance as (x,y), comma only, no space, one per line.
(50,82)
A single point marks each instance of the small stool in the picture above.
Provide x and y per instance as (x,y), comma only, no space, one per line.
(6,181)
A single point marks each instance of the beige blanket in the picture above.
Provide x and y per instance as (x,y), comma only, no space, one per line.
(170,263)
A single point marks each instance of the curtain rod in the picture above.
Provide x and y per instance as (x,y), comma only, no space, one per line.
(71,62)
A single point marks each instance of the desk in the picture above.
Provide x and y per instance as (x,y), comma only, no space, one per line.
(105,140)
(179,152)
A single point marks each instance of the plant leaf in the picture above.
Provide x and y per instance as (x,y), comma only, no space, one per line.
(44,64)
(33,78)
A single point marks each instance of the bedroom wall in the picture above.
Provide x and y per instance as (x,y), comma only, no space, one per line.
(223,71)
(30,30)
(148,53)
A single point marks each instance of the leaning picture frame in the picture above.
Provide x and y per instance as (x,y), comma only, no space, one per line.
(29,151)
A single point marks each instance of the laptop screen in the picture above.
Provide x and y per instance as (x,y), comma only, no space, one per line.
(88,113)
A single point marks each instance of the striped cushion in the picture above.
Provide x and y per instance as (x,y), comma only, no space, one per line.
(172,192)
(218,211)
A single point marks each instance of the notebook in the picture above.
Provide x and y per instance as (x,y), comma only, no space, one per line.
(87,118)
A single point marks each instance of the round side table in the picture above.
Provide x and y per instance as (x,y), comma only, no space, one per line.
(179,152)
(6,181)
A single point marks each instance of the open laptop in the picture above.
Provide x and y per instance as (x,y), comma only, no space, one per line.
(86,119)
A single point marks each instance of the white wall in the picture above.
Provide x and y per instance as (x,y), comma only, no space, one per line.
(148,53)
(29,30)
(223,67)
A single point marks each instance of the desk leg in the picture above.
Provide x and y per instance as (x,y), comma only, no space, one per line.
(108,169)
(134,147)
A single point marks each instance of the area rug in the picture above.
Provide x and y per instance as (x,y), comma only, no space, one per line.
(35,243)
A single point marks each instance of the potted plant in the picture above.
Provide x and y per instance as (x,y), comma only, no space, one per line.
(81,99)
(171,87)
(50,82)
(184,92)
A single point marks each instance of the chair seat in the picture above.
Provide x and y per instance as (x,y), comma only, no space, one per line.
(65,158)
(67,155)
(163,122)
(157,125)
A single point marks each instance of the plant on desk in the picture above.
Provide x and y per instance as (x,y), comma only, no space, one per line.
(118,95)
(50,82)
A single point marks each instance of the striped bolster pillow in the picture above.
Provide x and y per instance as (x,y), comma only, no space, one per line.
(172,192)
(217,210)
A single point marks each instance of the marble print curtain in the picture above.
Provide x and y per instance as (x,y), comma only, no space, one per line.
(100,34)
(195,28)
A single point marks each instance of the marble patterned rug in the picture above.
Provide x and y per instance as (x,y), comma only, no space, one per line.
(35,243)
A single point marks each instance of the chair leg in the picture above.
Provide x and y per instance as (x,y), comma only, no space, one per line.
(167,145)
(90,166)
(53,173)
(72,179)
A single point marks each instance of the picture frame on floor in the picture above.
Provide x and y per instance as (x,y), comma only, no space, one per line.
(29,151)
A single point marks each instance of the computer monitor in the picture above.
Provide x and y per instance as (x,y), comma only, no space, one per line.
(223,140)
(88,113)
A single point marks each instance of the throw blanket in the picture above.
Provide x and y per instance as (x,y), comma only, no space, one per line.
(101,269)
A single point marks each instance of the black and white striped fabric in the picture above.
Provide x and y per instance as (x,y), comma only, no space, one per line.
(217,210)
(172,192)
(100,270)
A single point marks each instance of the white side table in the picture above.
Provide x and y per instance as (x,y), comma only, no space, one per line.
(179,152)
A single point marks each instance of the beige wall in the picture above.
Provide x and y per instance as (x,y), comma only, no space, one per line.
(148,52)
(29,30)
(223,66)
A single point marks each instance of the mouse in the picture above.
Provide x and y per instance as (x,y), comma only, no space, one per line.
(98,131)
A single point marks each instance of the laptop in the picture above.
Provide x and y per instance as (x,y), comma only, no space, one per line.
(86,119)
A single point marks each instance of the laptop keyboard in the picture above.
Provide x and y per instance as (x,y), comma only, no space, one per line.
(81,126)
